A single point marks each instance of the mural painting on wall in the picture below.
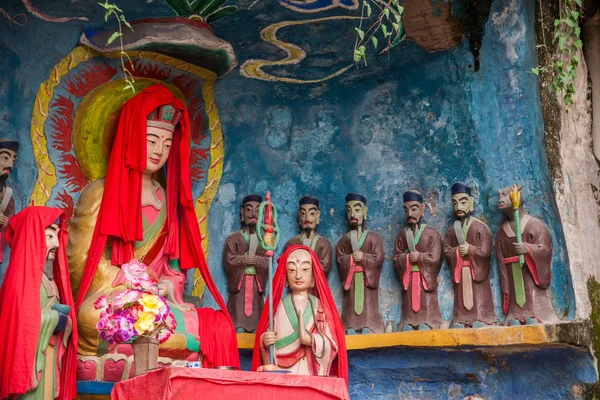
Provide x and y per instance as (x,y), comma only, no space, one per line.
(468,251)
(524,251)
(359,256)
(246,268)
(418,260)
(308,335)
(309,216)
(430,25)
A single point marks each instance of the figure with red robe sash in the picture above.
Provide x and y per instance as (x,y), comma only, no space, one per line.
(308,334)
(360,257)
(468,250)
(418,259)
(130,215)
(524,286)
(246,268)
(38,341)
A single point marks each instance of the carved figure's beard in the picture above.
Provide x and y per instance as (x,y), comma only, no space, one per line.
(414,223)
(3,179)
(252,228)
(307,231)
(354,224)
(463,218)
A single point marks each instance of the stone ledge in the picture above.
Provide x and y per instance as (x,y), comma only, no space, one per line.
(567,333)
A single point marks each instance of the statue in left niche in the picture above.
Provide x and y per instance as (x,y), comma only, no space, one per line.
(129,216)
(246,267)
(38,341)
(8,156)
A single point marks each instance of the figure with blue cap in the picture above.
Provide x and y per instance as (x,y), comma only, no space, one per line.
(360,256)
(246,268)
(309,216)
(468,250)
(418,260)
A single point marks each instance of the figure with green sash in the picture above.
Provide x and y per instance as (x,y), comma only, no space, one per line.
(246,267)
(418,256)
(309,216)
(524,251)
(360,255)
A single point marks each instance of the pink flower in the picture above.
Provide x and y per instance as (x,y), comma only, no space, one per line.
(101,303)
(163,335)
(125,297)
(135,272)
(170,322)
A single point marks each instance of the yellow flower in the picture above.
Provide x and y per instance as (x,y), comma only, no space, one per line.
(145,323)
(515,197)
(151,303)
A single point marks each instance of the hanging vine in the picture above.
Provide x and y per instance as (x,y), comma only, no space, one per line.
(567,39)
(388,25)
(112,9)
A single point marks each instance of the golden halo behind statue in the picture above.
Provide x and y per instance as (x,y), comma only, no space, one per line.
(96,120)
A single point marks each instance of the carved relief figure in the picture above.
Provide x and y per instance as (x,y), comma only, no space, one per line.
(418,259)
(468,250)
(38,342)
(360,255)
(8,156)
(309,216)
(308,336)
(246,268)
(524,285)
(129,215)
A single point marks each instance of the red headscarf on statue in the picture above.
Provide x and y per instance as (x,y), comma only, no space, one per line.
(340,365)
(20,314)
(120,215)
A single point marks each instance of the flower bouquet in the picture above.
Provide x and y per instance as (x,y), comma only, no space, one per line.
(137,314)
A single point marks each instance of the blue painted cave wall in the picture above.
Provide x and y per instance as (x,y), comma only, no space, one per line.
(410,120)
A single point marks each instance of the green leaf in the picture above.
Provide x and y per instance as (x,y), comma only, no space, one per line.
(386,11)
(398,18)
(396,27)
(535,70)
(400,10)
(577,31)
(113,37)
(578,3)
(361,34)
(368,7)
(181,7)
(375,41)
(578,43)
(357,58)
(127,24)
(205,9)
(105,5)
(556,22)
(570,22)
(221,13)
(385,31)
(575,15)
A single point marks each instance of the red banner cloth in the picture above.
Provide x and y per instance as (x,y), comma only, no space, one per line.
(184,383)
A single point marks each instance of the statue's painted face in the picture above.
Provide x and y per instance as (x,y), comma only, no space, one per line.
(7,161)
(504,198)
(158,147)
(52,241)
(357,212)
(462,204)
(250,212)
(300,271)
(414,211)
(308,216)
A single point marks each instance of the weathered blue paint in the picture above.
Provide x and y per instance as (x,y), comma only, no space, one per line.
(411,119)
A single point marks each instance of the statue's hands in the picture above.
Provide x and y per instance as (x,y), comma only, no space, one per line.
(413,256)
(269,338)
(303,335)
(165,289)
(521,248)
(357,257)
(251,260)
(2,219)
(463,249)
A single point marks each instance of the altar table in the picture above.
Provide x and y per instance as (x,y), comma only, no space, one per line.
(203,383)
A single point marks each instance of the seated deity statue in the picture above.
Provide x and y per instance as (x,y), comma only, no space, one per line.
(38,342)
(129,215)
(308,334)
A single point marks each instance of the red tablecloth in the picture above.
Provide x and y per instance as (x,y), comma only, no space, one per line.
(201,383)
